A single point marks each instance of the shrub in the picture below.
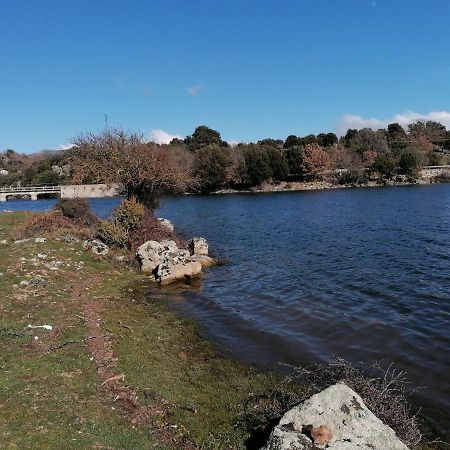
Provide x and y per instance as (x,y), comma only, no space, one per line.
(150,229)
(77,210)
(385,165)
(129,214)
(351,177)
(112,233)
(382,389)
(408,163)
(43,223)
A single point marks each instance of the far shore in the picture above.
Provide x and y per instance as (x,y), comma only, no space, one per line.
(299,186)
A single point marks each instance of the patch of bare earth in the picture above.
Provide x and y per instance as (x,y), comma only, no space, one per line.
(149,415)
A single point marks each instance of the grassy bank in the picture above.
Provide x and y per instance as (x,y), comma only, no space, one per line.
(66,387)
(115,367)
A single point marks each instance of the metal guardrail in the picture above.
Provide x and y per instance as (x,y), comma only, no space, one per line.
(9,190)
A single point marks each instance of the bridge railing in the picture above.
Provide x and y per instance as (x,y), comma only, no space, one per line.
(40,188)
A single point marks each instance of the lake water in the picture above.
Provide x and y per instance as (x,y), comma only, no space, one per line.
(363,274)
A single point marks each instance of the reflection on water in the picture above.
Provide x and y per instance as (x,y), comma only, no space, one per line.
(363,274)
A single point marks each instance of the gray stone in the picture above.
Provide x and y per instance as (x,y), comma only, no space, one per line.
(166,262)
(149,255)
(205,261)
(96,247)
(40,240)
(166,223)
(198,246)
(343,412)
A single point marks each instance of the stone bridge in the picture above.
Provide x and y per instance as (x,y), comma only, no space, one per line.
(66,191)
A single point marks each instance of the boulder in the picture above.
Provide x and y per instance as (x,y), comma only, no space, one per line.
(96,247)
(166,262)
(166,223)
(335,419)
(171,270)
(151,253)
(198,246)
(205,261)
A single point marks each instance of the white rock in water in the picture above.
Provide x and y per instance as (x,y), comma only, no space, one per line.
(166,223)
(151,253)
(343,414)
(198,246)
(166,262)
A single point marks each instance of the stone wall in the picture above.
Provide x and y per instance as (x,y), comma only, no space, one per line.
(90,191)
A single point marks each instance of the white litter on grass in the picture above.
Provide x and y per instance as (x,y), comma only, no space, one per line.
(45,327)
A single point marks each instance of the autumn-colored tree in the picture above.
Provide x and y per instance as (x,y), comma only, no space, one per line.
(146,170)
(315,160)
(343,158)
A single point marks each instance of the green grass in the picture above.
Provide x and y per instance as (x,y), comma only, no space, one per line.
(53,399)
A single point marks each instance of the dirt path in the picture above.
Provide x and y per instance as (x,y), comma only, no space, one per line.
(101,348)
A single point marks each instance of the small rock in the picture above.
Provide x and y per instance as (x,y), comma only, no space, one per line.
(21,241)
(166,223)
(42,255)
(95,246)
(40,240)
(198,246)
(69,238)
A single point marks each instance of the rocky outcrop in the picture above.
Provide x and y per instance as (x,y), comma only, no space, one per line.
(168,263)
(335,419)
(96,247)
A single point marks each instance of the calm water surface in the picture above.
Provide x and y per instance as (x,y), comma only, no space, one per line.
(363,274)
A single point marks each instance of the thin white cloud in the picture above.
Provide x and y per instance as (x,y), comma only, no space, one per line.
(195,90)
(353,121)
(163,137)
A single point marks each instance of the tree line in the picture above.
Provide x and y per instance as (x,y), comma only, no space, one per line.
(204,162)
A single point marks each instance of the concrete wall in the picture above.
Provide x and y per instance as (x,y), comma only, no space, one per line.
(430,172)
(90,191)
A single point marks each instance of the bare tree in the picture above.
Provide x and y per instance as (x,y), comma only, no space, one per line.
(146,170)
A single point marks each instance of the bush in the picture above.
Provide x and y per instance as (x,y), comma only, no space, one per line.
(382,389)
(351,177)
(43,224)
(408,163)
(129,214)
(150,229)
(77,210)
(385,165)
(112,233)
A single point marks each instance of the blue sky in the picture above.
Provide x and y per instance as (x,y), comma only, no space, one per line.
(251,69)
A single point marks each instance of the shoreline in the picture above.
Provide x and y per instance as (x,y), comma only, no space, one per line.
(161,357)
(315,186)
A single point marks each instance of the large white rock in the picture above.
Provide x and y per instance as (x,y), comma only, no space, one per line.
(343,412)
(166,262)
(151,253)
